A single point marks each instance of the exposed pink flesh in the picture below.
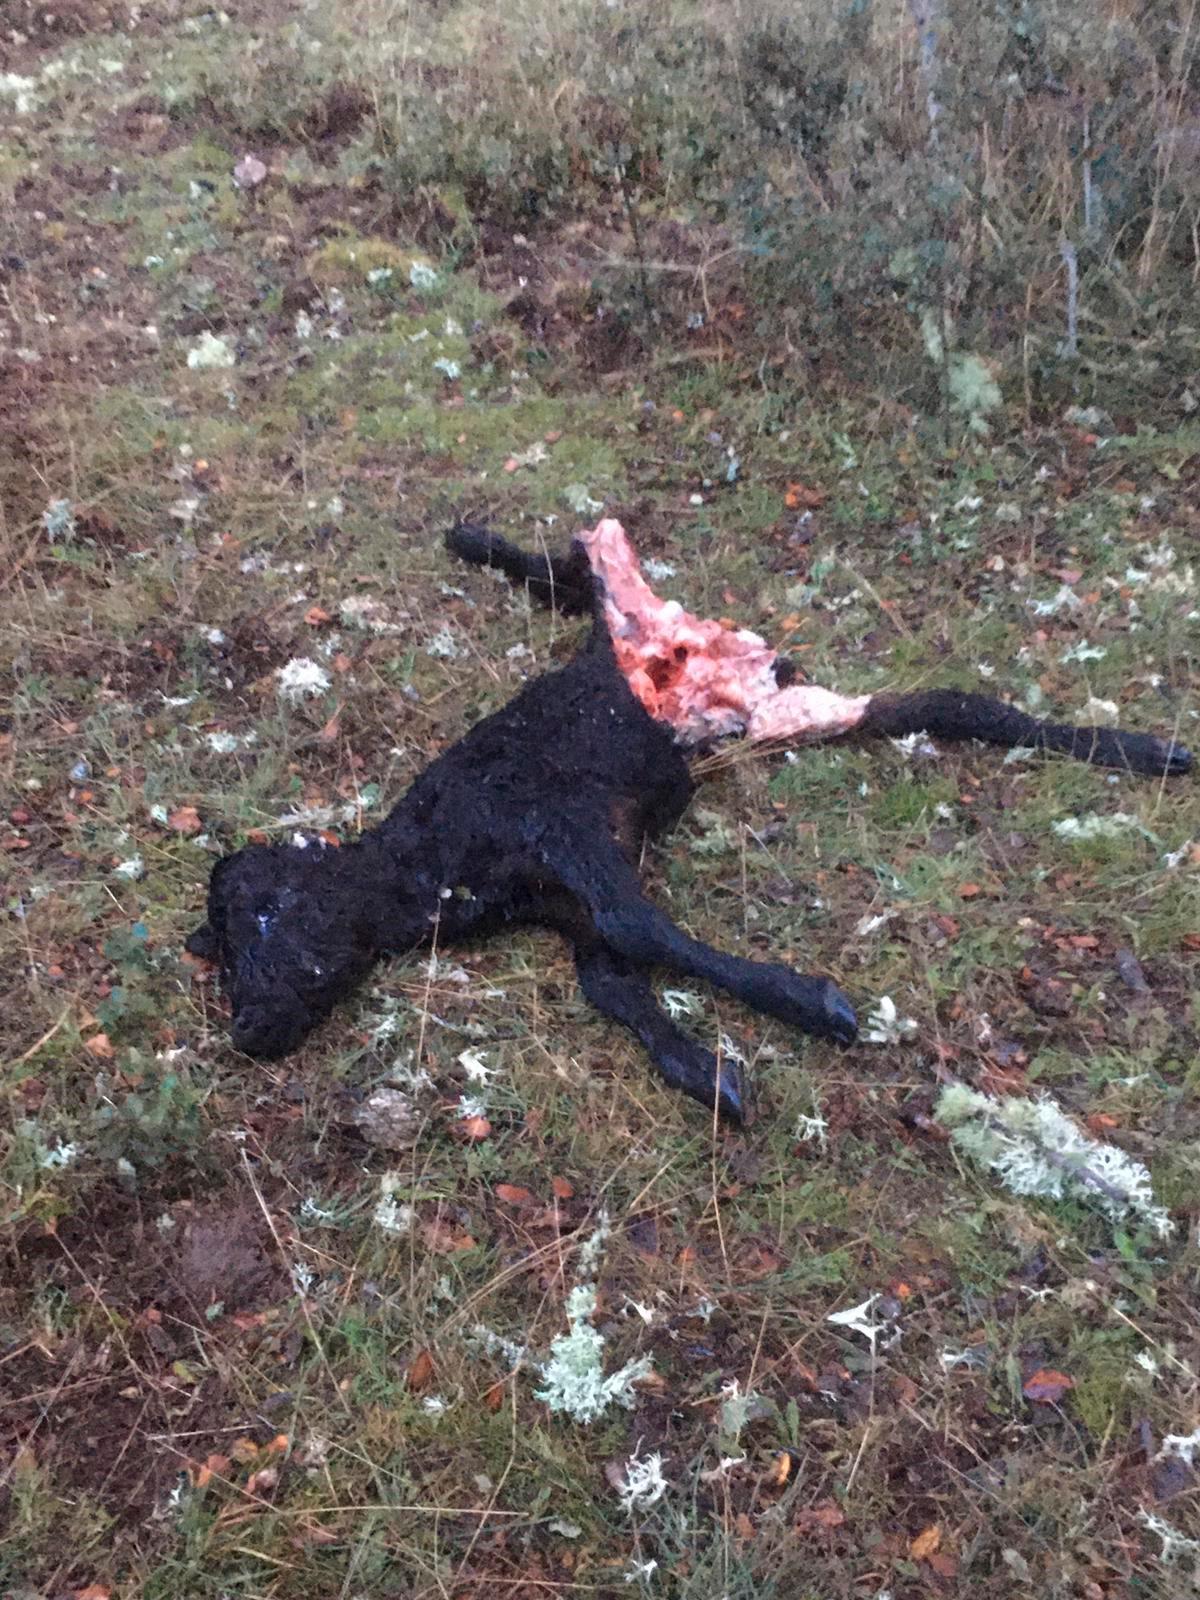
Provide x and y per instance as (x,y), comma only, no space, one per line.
(705,679)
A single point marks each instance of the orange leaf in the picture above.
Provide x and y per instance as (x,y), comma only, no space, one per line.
(215,1466)
(493,1398)
(925,1543)
(315,615)
(1047,1385)
(944,1565)
(513,1194)
(421,1370)
(473,1129)
(100,1046)
(968,891)
(184,819)
(93,1591)
(800,497)
(825,1516)
(243,1450)
(561,1189)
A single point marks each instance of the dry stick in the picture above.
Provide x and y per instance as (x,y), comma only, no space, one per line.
(45,1039)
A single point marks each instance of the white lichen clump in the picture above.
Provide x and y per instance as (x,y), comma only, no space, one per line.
(573,1378)
(886,1026)
(301,679)
(644,1482)
(210,352)
(1037,1150)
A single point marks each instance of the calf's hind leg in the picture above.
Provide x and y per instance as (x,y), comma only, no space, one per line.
(952,714)
(643,936)
(624,995)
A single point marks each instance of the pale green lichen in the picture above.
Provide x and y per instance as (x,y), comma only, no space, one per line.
(573,1378)
(1037,1150)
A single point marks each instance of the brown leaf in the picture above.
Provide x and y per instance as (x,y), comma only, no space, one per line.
(444,1240)
(316,615)
(493,1398)
(926,1543)
(561,1189)
(100,1046)
(310,1533)
(1047,1385)
(215,1466)
(420,1371)
(968,891)
(473,1129)
(184,819)
(800,497)
(93,1591)
(823,1517)
(513,1194)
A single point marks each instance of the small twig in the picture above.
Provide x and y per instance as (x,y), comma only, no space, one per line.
(45,1039)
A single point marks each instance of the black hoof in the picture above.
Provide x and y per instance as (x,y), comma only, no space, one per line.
(840,1022)
(1176,759)
(731,1093)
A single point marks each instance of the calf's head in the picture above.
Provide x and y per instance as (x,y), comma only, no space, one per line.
(291,930)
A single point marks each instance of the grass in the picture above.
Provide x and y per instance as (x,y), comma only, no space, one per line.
(220,1372)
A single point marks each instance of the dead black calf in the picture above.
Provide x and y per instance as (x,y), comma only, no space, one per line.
(535,817)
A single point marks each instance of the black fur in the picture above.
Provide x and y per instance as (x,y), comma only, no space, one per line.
(535,817)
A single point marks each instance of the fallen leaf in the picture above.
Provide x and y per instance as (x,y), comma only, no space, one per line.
(442,1239)
(265,1478)
(968,891)
(822,1517)
(316,615)
(93,1591)
(800,497)
(1047,1386)
(184,819)
(561,1189)
(421,1371)
(313,1533)
(474,1129)
(215,1466)
(1101,1124)
(493,1397)
(926,1543)
(100,1046)
(513,1194)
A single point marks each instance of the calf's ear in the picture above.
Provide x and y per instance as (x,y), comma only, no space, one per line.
(202,942)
